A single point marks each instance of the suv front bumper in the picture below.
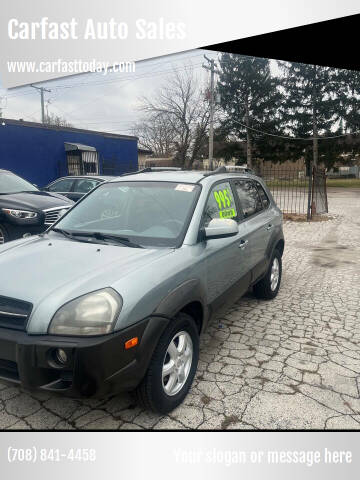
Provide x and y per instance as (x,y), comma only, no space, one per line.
(96,366)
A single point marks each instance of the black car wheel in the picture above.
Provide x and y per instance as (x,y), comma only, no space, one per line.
(269,285)
(4,237)
(172,367)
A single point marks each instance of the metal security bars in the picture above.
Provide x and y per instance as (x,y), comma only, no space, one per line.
(289,187)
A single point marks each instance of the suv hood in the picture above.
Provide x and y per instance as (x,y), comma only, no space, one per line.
(34,200)
(49,270)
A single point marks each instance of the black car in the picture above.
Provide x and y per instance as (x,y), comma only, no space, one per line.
(24,209)
(75,187)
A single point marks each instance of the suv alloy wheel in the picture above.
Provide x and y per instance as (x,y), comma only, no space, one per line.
(268,287)
(172,367)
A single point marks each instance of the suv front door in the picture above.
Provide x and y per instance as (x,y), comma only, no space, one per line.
(227,266)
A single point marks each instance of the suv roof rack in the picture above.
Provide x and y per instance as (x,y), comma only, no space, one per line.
(224,169)
(212,172)
(216,171)
(152,169)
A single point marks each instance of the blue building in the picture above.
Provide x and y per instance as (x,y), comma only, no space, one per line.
(41,153)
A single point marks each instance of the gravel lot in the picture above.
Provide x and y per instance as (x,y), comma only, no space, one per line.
(291,363)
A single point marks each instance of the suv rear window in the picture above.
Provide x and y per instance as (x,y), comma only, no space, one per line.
(249,197)
(264,198)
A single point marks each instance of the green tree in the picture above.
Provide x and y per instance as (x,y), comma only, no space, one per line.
(349,83)
(312,105)
(321,102)
(251,99)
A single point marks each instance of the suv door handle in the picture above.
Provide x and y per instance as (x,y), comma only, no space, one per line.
(243,244)
(269,227)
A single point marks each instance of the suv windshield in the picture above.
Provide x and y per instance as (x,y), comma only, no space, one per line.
(10,183)
(145,213)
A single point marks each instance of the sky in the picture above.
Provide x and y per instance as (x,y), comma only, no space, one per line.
(96,102)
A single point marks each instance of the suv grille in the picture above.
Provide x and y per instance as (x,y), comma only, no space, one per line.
(53,214)
(14,313)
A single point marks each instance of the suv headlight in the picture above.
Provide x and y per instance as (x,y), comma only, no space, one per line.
(91,314)
(23,214)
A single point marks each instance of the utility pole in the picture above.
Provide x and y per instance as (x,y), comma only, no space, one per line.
(314,120)
(212,70)
(42,90)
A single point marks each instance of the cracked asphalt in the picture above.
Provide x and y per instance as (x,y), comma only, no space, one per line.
(289,363)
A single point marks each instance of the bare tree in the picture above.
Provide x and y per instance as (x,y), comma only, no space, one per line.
(180,104)
(155,133)
(52,119)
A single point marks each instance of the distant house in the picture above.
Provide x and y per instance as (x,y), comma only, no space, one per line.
(143,155)
(41,153)
(156,162)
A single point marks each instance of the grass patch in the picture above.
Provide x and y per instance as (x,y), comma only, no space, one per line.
(304,182)
(343,182)
(294,183)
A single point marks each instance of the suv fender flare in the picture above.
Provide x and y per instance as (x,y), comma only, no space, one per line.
(187,292)
(276,236)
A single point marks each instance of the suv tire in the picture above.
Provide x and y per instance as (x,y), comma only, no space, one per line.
(177,352)
(4,237)
(268,287)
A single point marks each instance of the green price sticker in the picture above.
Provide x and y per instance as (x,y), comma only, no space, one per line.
(229,213)
(223,198)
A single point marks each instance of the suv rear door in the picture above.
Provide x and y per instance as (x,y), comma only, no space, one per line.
(257,216)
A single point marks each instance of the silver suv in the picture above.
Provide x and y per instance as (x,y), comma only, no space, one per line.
(114,296)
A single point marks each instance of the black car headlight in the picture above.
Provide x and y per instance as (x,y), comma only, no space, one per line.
(22,214)
(92,314)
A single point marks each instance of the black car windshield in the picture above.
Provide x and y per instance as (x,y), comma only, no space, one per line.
(10,183)
(145,213)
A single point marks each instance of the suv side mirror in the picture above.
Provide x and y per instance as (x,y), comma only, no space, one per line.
(221,227)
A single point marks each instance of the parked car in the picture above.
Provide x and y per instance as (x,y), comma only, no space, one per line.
(75,187)
(129,279)
(24,209)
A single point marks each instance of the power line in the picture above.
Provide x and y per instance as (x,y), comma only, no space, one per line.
(127,80)
(308,139)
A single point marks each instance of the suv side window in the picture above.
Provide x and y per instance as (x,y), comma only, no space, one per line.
(264,198)
(62,185)
(249,197)
(84,185)
(220,203)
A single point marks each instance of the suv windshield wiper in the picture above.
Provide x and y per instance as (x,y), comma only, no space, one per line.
(98,236)
(117,238)
(63,232)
